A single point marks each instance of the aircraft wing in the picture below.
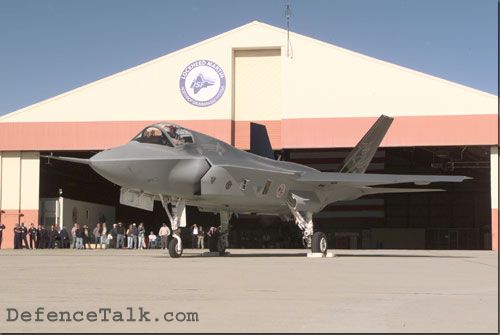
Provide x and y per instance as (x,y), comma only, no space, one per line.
(367,179)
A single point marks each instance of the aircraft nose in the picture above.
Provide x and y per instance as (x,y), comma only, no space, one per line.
(107,164)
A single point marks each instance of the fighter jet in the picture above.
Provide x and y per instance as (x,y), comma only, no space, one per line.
(181,167)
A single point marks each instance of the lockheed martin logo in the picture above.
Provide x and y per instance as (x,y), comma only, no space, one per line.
(202,83)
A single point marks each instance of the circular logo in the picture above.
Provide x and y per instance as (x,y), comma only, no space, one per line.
(202,83)
(280,191)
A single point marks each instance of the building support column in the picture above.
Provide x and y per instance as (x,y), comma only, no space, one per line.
(494,196)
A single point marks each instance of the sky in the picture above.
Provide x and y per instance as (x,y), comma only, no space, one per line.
(48,47)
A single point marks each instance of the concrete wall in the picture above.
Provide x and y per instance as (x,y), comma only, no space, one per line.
(19,190)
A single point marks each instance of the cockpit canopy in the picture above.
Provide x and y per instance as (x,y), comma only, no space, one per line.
(165,134)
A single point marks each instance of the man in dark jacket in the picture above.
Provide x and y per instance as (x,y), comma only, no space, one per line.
(32,233)
(2,228)
(24,236)
(64,236)
(42,243)
(114,234)
(120,236)
(17,237)
(53,237)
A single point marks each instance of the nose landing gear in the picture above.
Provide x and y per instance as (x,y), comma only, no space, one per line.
(177,221)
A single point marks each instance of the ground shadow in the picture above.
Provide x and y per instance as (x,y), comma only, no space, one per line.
(399,255)
(263,254)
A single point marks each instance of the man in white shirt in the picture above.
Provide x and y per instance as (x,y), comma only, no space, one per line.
(194,236)
(164,234)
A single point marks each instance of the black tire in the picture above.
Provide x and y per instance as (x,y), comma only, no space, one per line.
(172,249)
(212,244)
(319,243)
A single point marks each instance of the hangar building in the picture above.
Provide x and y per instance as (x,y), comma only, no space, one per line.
(316,101)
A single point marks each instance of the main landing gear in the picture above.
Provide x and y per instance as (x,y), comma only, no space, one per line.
(317,241)
(219,241)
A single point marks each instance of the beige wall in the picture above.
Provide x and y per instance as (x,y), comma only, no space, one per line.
(257,85)
(20,174)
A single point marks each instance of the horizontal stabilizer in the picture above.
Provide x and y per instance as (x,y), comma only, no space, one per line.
(368,179)
(69,159)
(378,190)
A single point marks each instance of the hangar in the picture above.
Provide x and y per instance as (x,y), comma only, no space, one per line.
(315,99)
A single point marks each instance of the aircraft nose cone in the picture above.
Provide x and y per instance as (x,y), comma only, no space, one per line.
(108,165)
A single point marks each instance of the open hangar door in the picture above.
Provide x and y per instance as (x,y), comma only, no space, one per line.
(80,182)
(458,218)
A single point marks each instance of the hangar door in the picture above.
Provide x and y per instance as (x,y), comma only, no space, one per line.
(257,90)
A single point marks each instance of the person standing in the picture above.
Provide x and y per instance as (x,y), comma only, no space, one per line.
(104,235)
(24,236)
(32,232)
(73,236)
(135,236)
(129,237)
(17,236)
(194,236)
(201,238)
(97,232)
(113,236)
(79,234)
(120,236)
(141,232)
(2,227)
(164,234)
(53,236)
(42,242)
(64,236)
(86,237)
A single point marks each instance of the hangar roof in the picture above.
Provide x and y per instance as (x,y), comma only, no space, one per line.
(333,90)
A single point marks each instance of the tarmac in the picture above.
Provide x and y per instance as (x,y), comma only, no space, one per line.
(250,291)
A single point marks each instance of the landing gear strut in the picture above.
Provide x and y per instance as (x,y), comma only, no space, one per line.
(219,240)
(316,241)
(223,242)
(178,210)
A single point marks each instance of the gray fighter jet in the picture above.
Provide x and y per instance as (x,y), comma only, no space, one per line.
(181,167)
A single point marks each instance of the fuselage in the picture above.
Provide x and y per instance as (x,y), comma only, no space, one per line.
(165,167)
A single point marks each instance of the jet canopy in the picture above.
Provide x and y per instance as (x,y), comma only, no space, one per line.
(165,134)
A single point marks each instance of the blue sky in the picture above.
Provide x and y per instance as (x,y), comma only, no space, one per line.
(48,47)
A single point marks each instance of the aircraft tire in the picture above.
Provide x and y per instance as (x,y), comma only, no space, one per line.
(172,249)
(319,243)
(212,244)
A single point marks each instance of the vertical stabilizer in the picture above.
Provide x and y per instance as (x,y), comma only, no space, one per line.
(360,157)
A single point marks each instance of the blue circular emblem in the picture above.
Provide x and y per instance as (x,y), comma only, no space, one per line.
(202,83)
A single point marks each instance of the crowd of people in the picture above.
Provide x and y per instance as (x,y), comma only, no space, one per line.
(101,236)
